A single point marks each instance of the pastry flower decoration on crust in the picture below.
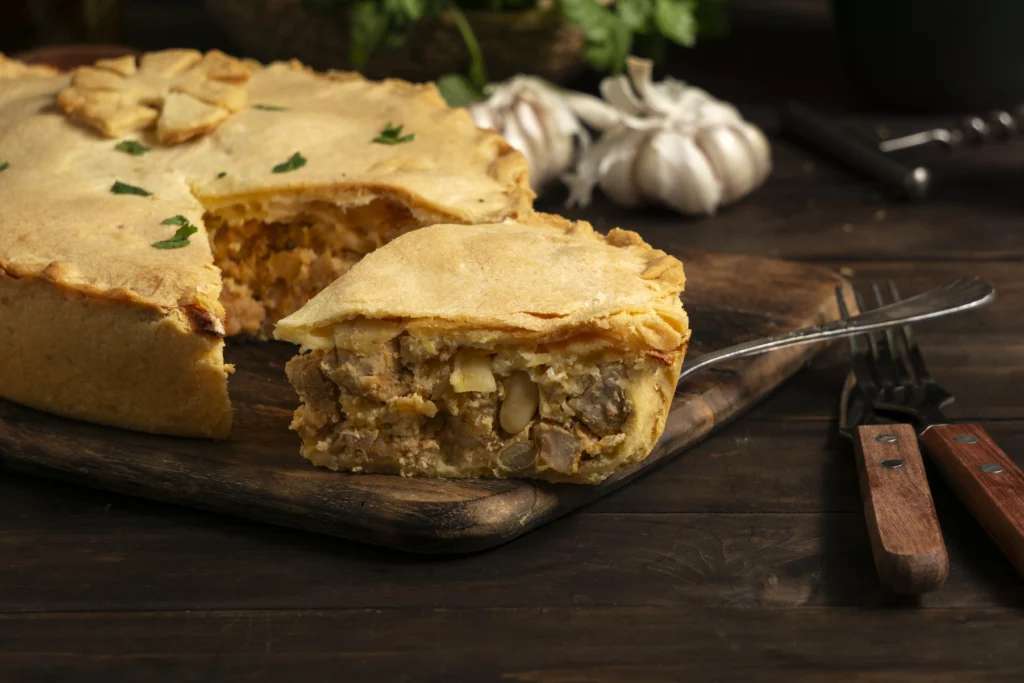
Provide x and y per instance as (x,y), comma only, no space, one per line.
(183,92)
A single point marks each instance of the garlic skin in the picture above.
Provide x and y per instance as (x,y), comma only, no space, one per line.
(667,143)
(534,117)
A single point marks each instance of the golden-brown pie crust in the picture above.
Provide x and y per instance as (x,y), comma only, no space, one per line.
(65,236)
(534,348)
(539,277)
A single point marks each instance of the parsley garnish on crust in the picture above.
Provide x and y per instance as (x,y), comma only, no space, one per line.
(124,188)
(181,236)
(392,135)
(136,149)
(295,162)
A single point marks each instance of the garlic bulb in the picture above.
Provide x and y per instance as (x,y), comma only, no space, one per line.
(535,119)
(666,142)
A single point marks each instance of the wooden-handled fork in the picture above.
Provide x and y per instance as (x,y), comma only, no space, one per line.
(906,541)
(986,480)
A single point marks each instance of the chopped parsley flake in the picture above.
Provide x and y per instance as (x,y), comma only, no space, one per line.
(4,165)
(221,174)
(295,162)
(392,135)
(269,107)
(181,236)
(132,147)
(124,188)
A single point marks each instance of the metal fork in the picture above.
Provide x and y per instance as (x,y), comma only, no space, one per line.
(906,541)
(986,480)
(955,297)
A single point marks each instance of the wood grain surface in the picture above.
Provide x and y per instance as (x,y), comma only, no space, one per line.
(745,559)
(258,473)
(906,540)
(988,482)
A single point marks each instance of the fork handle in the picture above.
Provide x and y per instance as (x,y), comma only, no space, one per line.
(910,556)
(986,480)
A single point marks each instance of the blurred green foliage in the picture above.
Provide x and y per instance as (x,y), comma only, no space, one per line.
(612,31)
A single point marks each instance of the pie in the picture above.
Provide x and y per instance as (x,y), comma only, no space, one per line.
(150,207)
(532,348)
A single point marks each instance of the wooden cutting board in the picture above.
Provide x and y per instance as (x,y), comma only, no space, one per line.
(259,474)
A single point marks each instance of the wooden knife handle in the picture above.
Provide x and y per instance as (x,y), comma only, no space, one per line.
(910,555)
(987,481)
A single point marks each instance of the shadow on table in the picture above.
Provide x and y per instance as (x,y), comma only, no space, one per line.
(979,574)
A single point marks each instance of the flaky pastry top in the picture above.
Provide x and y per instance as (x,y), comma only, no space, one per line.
(58,214)
(540,279)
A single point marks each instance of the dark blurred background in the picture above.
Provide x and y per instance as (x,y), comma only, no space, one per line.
(145,24)
(923,56)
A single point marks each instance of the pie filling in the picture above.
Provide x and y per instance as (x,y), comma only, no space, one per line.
(271,268)
(423,405)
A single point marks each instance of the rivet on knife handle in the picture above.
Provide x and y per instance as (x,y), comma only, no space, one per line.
(910,555)
(986,480)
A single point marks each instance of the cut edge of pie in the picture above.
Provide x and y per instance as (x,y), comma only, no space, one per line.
(99,325)
(277,251)
(535,348)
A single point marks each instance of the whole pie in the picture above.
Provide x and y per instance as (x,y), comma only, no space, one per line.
(150,206)
(531,348)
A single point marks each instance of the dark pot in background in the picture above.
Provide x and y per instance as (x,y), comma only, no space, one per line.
(934,56)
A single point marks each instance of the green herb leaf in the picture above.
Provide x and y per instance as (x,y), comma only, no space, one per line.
(636,14)
(674,18)
(458,91)
(477,68)
(392,135)
(413,9)
(124,188)
(4,165)
(269,107)
(181,235)
(221,174)
(376,23)
(296,161)
(608,38)
(369,26)
(132,147)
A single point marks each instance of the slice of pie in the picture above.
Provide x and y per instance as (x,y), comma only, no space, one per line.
(536,348)
(151,206)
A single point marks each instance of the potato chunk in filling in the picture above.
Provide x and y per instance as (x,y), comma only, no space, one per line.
(438,409)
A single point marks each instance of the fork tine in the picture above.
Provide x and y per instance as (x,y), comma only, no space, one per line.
(919,369)
(859,354)
(888,353)
(870,357)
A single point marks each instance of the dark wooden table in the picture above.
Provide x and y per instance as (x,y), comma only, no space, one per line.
(746,559)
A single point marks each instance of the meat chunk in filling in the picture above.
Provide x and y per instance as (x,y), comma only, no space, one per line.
(376,412)
(603,406)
